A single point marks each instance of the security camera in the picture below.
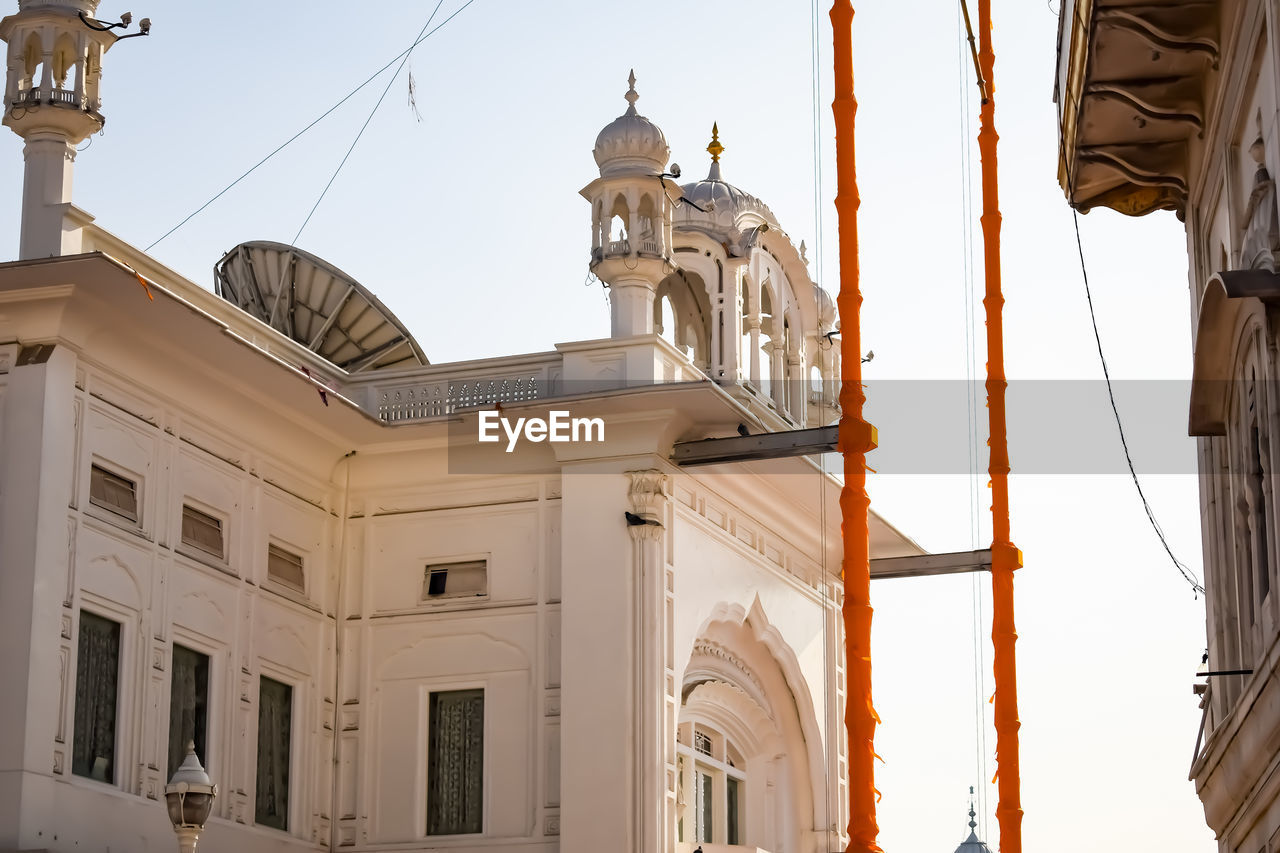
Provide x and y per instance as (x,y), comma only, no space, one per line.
(675,170)
(711,205)
(145,25)
(126,18)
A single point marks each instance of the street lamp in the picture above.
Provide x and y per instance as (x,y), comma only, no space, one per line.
(189,797)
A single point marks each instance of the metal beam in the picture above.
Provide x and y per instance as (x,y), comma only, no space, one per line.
(768,445)
(926,565)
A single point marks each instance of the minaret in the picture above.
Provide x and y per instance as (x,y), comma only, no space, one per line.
(51,100)
(631,217)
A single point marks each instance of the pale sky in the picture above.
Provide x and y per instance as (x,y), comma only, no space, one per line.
(468,225)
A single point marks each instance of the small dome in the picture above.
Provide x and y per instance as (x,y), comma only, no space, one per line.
(826,306)
(716,197)
(973,845)
(86,6)
(631,143)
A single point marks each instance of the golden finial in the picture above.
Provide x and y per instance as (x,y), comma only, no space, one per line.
(715,147)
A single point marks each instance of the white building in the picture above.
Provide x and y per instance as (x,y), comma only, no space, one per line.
(1175,107)
(261,520)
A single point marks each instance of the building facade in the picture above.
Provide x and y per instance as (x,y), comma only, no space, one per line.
(259,520)
(1174,107)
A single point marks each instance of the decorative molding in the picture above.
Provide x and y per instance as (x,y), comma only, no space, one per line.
(649,492)
(709,648)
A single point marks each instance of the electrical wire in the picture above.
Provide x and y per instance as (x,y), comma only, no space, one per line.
(369,118)
(832,815)
(1187,575)
(971,402)
(374,76)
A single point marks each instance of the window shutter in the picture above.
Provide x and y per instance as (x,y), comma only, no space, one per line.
(97,676)
(113,493)
(275,718)
(455,763)
(203,531)
(285,567)
(188,706)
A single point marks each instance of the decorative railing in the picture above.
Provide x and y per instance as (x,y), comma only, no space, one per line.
(619,247)
(32,97)
(650,247)
(429,398)
(26,97)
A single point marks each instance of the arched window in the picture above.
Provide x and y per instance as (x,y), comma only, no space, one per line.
(32,61)
(666,320)
(711,786)
(618,227)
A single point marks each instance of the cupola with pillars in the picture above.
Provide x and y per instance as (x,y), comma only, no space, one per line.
(52,100)
(631,217)
(707,267)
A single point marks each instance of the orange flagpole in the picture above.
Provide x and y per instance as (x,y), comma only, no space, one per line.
(1005,558)
(857,437)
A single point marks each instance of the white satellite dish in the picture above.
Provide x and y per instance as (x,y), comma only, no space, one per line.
(316,304)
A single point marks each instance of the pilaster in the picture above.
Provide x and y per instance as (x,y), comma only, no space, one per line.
(37,453)
(617,767)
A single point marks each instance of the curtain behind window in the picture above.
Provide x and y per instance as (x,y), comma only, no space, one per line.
(188,706)
(275,716)
(455,763)
(97,673)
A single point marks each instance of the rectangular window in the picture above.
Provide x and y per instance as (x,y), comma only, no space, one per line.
(455,762)
(731,810)
(188,706)
(455,580)
(113,493)
(285,567)
(97,681)
(202,531)
(275,719)
(702,804)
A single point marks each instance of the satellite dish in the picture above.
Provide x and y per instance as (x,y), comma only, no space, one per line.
(316,304)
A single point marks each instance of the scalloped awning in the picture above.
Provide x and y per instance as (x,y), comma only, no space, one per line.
(1131,85)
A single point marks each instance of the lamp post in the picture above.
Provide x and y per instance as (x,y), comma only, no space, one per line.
(189,797)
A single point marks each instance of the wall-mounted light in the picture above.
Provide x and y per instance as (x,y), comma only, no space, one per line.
(144,26)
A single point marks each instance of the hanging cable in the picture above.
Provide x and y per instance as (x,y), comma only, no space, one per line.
(971,401)
(830,817)
(374,76)
(1188,575)
(369,118)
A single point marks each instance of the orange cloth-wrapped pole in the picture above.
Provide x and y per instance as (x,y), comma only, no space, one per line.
(1005,558)
(857,437)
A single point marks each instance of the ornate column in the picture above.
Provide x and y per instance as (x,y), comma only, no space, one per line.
(753,329)
(657,706)
(777,374)
(797,396)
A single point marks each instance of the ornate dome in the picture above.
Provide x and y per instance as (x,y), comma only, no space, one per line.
(631,142)
(716,197)
(826,306)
